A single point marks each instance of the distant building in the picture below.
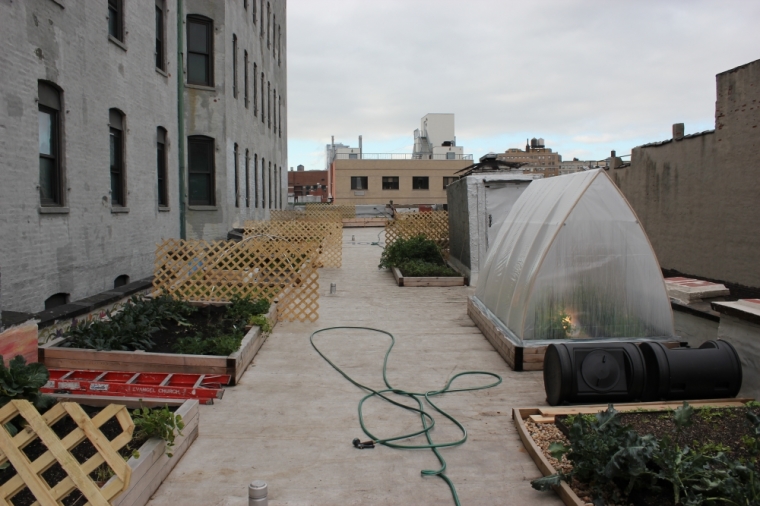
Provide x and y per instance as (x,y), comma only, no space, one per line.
(413,178)
(538,158)
(307,185)
(576,165)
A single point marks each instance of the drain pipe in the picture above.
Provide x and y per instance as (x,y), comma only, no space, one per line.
(181,124)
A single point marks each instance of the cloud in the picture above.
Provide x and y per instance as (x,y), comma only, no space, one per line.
(587,75)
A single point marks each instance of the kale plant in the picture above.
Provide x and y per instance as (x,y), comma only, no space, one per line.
(160,423)
(417,248)
(23,381)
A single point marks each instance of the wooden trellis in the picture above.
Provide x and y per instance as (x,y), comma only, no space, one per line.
(262,267)
(29,473)
(433,225)
(344,211)
(322,215)
(328,234)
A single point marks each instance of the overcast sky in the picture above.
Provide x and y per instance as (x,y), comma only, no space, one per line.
(587,76)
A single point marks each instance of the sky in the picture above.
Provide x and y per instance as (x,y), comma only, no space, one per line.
(588,76)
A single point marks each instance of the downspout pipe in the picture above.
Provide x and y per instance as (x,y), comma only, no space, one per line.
(181,123)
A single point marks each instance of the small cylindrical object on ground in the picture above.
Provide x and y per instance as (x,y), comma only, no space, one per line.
(353,238)
(257,493)
(333,288)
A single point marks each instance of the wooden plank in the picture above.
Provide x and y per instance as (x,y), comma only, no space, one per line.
(21,464)
(651,406)
(105,400)
(397,275)
(532,366)
(134,367)
(542,419)
(62,455)
(142,357)
(434,281)
(534,350)
(535,358)
(563,490)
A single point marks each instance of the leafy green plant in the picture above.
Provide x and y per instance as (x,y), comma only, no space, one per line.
(23,381)
(711,414)
(262,322)
(160,423)
(242,308)
(420,268)
(683,415)
(131,327)
(220,344)
(416,248)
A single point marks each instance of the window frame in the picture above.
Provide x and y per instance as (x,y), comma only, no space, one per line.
(161,36)
(247,178)
(359,180)
(246,98)
(209,55)
(116,9)
(256,181)
(234,66)
(118,170)
(236,157)
(162,167)
(255,90)
(210,144)
(417,180)
(390,183)
(269,105)
(53,110)
(263,109)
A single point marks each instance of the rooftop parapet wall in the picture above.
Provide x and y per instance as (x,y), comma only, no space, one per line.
(697,197)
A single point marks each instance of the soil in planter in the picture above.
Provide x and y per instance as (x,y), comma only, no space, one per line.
(711,430)
(207,323)
(83,451)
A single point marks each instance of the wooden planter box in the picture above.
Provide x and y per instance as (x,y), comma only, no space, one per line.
(547,414)
(57,357)
(153,466)
(431,281)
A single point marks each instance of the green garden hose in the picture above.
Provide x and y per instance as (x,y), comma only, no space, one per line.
(428,422)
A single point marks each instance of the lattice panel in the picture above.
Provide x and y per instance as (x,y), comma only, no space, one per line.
(433,225)
(261,267)
(315,215)
(29,473)
(328,234)
(345,211)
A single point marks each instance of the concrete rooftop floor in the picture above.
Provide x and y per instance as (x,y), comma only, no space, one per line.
(291,420)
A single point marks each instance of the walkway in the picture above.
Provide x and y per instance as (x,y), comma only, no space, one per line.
(291,420)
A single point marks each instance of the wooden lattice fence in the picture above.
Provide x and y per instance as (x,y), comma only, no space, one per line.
(328,234)
(29,473)
(433,225)
(319,207)
(262,267)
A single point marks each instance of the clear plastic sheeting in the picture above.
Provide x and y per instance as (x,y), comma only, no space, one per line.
(572,262)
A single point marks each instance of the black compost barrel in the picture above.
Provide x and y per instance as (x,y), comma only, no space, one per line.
(576,373)
(711,371)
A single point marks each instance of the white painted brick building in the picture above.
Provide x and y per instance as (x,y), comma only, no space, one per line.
(96,166)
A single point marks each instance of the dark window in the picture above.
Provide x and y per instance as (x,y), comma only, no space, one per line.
(245,77)
(49,117)
(262,21)
(269,104)
(255,89)
(390,183)
(359,182)
(201,170)
(59,299)
(269,25)
(274,120)
(121,281)
(256,184)
(279,108)
(116,19)
(450,155)
(420,183)
(247,179)
(160,50)
(254,11)
(269,185)
(199,51)
(263,184)
(279,46)
(234,66)
(447,181)
(118,191)
(274,34)
(353,156)
(245,4)
(263,119)
(161,165)
(237,177)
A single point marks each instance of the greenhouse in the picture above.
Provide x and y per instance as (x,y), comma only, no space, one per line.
(572,262)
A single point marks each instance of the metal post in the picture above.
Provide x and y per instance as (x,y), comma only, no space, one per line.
(333,288)
(257,493)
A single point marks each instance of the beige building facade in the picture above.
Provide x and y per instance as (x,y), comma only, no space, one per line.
(405,182)
(539,158)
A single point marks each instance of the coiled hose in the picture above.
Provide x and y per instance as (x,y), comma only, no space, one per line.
(428,422)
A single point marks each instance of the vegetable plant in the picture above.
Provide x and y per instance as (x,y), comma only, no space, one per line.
(23,381)
(416,257)
(160,423)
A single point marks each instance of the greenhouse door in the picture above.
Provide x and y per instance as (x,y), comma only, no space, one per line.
(500,197)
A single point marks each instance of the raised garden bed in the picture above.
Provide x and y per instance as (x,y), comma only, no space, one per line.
(720,425)
(55,356)
(402,280)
